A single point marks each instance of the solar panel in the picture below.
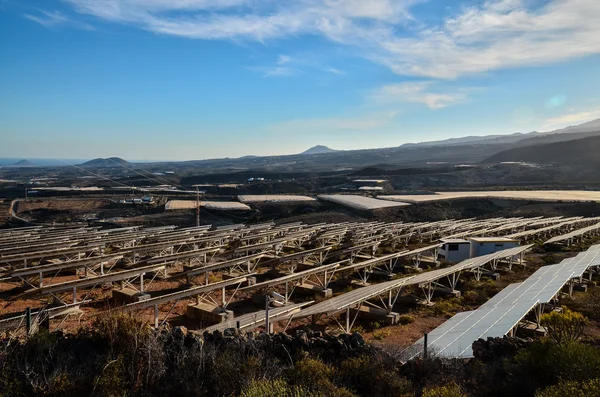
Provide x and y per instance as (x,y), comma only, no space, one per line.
(491,321)
(351,298)
(573,234)
(505,310)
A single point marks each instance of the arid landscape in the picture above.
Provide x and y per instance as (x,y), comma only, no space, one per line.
(303,198)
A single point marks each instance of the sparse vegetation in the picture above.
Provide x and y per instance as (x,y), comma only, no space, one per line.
(122,356)
(406,319)
(452,390)
(589,388)
(564,326)
(381,334)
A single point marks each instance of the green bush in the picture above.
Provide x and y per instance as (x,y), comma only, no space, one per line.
(445,307)
(406,319)
(564,326)
(275,388)
(452,390)
(589,388)
(312,374)
(372,376)
(546,363)
(471,297)
(381,334)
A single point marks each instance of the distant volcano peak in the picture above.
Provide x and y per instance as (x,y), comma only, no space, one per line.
(319,149)
(23,163)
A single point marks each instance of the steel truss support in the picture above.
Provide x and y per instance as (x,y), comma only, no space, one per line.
(206,297)
(430,287)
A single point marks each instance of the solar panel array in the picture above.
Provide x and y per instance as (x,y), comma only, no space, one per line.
(499,316)
(351,299)
(576,233)
(109,255)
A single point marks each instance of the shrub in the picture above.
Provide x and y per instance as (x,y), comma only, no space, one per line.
(590,388)
(546,363)
(138,346)
(312,374)
(111,380)
(360,329)
(445,307)
(406,319)
(564,326)
(274,388)
(471,297)
(381,334)
(372,376)
(452,390)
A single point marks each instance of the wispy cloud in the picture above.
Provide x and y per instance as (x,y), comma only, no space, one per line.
(279,71)
(281,68)
(333,70)
(283,59)
(418,92)
(48,19)
(287,65)
(496,34)
(55,19)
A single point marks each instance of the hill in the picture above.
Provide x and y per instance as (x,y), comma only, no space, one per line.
(23,163)
(105,163)
(590,126)
(319,149)
(467,140)
(572,132)
(573,152)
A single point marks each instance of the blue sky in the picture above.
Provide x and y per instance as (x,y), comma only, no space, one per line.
(193,79)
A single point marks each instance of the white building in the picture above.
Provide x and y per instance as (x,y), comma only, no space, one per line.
(454,250)
(487,245)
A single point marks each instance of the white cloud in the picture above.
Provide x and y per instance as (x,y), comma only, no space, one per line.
(279,71)
(499,34)
(55,19)
(48,19)
(418,92)
(333,70)
(287,65)
(281,68)
(494,35)
(283,59)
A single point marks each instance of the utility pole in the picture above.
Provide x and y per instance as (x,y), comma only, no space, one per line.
(197,207)
(267,325)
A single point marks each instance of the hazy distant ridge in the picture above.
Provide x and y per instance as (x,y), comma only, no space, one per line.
(107,162)
(319,149)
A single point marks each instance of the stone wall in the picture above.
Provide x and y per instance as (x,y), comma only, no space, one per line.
(493,349)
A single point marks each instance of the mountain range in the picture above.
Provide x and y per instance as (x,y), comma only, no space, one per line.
(105,163)
(558,146)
